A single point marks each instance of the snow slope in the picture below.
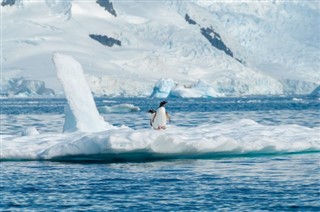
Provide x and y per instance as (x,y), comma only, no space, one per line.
(126,47)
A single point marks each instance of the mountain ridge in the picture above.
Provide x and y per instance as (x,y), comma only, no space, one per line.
(236,48)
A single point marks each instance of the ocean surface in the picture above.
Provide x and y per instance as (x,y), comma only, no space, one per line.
(218,154)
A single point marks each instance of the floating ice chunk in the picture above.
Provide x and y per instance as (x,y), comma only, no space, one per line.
(30,131)
(121,108)
(81,112)
(316,92)
(163,88)
(21,87)
(209,140)
(199,89)
(168,88)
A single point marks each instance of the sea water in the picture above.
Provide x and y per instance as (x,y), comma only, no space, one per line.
(276,177)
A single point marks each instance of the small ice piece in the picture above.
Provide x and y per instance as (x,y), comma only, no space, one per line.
(30,131)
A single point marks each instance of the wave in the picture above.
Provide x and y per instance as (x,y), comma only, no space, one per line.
(244,138)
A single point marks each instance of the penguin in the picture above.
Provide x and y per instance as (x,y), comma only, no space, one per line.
(160,117)
(152,112)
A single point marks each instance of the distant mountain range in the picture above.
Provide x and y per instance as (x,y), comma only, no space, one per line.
(132,48)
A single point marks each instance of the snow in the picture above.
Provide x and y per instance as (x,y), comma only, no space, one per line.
(297,86)
(280,34)
(81,112)
(222,138)
(115,87)
(276,42)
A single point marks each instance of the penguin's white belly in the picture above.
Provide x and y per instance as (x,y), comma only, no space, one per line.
(160,119)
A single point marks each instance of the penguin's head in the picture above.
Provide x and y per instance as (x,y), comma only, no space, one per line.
(162,103)
(151,111)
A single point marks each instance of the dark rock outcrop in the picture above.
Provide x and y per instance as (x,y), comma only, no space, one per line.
(105,40)
(215,39)
(8,2)
(189,20)
(107,5)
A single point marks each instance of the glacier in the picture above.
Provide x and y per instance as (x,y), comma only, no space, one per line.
(236,48)
(21,87)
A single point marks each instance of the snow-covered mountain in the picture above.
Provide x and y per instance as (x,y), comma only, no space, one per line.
(132,48)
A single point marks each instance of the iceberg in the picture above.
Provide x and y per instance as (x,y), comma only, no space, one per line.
(162,88)
(120,108)
(315,92)
(196,90)
(125,144)
(220,87)
(21,87)
(30,131)
(81,112)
